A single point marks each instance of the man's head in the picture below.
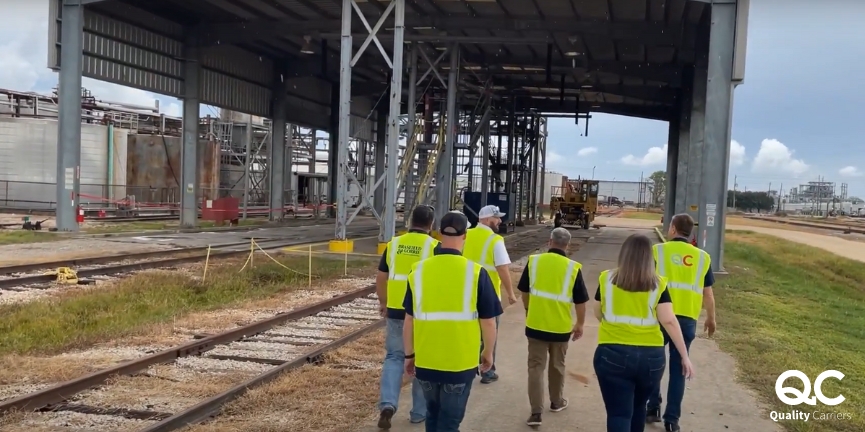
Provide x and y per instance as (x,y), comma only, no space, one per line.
(422,218)
(453,227)
(491,216)
(681,226)
(560,238)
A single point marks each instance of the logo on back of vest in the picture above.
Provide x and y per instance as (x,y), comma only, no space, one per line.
(685,260)
(409,250)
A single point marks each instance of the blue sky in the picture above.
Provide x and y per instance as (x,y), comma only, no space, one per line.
(798,115)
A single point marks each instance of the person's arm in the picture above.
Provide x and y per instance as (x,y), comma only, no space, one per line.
(503,264)
(381,282)
(523,287)
(489,307)
(597,306)
(668,319)
(581,297)
(709,302)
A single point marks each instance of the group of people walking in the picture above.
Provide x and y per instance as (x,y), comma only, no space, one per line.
(442,301)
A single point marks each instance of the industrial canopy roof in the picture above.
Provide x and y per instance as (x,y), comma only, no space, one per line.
(623,57)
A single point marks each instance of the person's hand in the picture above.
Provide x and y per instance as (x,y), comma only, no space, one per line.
(486,360)
(382,310)
(710,327)
(687,368)
(577,332)
(512,298)
(409,367)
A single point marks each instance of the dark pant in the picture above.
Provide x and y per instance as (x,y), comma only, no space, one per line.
(676,385)
(445,405)
(627,375)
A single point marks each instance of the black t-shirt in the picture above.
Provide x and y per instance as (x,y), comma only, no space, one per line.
(580,296)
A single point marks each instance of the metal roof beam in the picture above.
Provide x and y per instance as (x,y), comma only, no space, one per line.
(645,32)
(661,113)
(651,93)
(670,74)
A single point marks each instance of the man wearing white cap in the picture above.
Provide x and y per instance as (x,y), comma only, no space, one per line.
(486,247)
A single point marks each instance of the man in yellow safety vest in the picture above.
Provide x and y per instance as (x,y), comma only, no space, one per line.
(450,306)
(551,283)
(689,274)
(393,269)
(487,248)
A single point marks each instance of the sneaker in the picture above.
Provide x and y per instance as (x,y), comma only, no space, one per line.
(653,415)
(671,427)
(385,417)
(416,420)
(491,377)
(534,420)
(556,407)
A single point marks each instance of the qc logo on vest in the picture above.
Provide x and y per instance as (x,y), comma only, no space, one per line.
(685,260)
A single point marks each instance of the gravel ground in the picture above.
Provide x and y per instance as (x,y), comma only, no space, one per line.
(174,387)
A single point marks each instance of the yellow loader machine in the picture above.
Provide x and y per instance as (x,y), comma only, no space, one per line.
(574,203)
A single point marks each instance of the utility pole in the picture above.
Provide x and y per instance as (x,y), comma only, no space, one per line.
(735,183)
(780,192)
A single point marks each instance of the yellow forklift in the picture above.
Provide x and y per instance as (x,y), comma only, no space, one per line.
(574,203)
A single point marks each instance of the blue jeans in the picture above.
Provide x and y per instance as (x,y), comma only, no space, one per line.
(676,385)
(445,404)
(627,375)
(392,372)
(492,370)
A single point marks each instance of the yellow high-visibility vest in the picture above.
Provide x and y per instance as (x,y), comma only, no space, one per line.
(402,253)
(629,318)
(685,267)
(480,248)
(447,333)
(551,285)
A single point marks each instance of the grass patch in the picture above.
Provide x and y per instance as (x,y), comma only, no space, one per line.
(80,318)
(790,306)
(19,236)
(642,215)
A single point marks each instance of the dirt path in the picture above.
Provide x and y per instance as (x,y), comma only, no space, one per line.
(848,249)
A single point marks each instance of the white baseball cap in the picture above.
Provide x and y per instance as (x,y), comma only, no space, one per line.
(490,211)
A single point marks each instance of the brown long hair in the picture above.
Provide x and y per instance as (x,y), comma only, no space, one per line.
(636,271)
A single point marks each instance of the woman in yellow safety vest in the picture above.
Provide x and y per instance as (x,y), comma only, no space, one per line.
(631,302)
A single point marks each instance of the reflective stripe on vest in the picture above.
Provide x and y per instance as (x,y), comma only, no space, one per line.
(488,260)
(551,283)
(468,312)
(609,316)
(565,295)
(391,265)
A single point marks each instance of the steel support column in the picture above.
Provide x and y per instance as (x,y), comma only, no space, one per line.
(69,117)
(509,173)
(380,151)
(444,170)
(697,138)
(686,108)
(543,153)
(388,227)
(672,165)
(189,151)
(276,150)
(536,128)
(719,117)
(290,180)
(411,110)
(341,147)
(485,164)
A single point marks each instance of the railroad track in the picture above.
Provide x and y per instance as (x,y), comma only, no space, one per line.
(89,267)
(275,345)
(266,349)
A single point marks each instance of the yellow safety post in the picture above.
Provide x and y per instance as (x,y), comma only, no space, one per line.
(310,266)
(206,262)
(345,264)
(252,252)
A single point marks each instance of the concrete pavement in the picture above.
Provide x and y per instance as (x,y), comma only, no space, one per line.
(714,401)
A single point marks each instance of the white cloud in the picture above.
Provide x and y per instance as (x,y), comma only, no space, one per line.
(774,156)
(655,156)
(585,151)
(553,157)
(850,171)
(737,153)
(24,54)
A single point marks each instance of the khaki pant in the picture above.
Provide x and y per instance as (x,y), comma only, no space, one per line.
(538,351)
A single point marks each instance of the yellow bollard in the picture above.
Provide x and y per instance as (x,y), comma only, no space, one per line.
(206,262)
(251,252)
